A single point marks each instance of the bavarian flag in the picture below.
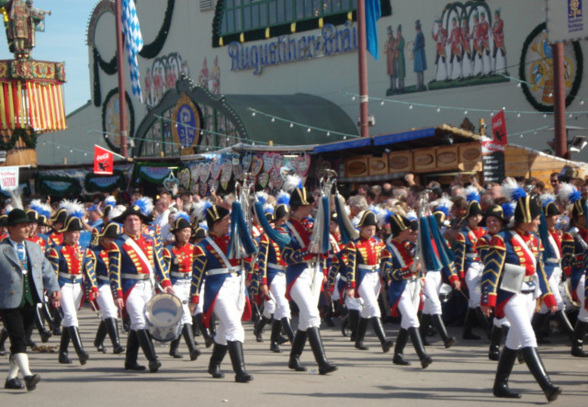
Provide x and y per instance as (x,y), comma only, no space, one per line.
(373,12)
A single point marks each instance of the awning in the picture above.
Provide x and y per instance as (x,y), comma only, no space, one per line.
(343,145)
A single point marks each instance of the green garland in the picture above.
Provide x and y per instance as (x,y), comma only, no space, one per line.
(149,51)
(30,140)
(92,187)
(131,118)
(522,74)
(74,188)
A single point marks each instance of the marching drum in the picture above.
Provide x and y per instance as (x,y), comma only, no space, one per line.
(565,290)
(164,316)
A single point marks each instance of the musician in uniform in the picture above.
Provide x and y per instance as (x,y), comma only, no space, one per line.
(98,260)
(224,292)
(401,268)
(574,262)
(24,272)
(304,277)
(67,260)
(272,273)
(363,279)
(179,259)
(134,262)
(468,262)
(513,278)
(57,220)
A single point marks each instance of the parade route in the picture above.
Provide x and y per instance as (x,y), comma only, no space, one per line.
(459,376)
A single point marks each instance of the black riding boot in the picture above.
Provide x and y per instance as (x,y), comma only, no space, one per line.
(316,344)
(401,340)
(3,337)
(415,337)
(132,352)
(425,322)
(496,336)
(173,348)
(258,330)
(539,323)
(238,361)
(45,334)
(565,323)
(188,334)
(148,349)
(360,334)
(276,337)
(353,323)
(484,321)
(505,364)
(578,340)
(218,354)
(208,338)
(439,325)
(112,329)
(297,348)
(63,357)
(470,320)
(100,336)
(287,327)
(56,326)
(538,370)
(74,334)
(381,334)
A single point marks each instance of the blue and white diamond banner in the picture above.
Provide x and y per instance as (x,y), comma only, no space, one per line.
(133,43)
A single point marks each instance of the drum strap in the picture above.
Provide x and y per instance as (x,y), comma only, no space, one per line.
(220,253)
(526,248)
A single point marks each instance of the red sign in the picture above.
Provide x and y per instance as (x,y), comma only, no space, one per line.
(103,161)
(499,129)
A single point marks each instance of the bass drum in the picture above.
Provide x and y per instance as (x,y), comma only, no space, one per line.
(565,289)
(164,316)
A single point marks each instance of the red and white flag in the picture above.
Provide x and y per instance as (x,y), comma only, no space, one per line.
(103,161)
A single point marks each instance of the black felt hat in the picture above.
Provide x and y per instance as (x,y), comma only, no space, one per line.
(16,217)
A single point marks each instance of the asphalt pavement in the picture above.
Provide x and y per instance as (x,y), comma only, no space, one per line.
(459,376)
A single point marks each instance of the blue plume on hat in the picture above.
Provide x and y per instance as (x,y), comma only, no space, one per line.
(444,205)
(546,199)
(568,193)
(261,197)
(145,204)
(512,190)
(472,194)
(73,208)
(200,209)
(268,208)
(36,205)
(508,209)
(283,198)
(182,215)
(109,201)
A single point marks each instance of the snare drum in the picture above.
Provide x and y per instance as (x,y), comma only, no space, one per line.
(565,290)
(163,314)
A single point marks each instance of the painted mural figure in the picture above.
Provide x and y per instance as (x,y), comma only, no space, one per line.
(418,52)
(390,50)
(468,57)
(23,21)
(456,48)
(498,35)
(400,60)
(440,37)
(484,34)
(478,43)
(215,78)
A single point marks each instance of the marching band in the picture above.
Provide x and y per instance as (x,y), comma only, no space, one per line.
(223,259)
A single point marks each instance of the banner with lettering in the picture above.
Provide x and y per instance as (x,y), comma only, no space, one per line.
(493,150)
(103,161)
(9,178)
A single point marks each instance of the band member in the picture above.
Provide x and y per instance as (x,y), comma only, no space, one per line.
(574,255)
(98,256)
(57,220)
(134,262)
(498,36)
(551,239)
(224,293)
(25,273)
(272,272)
(68,260)
(512,280)
(432,310)
(198,235)
(456,47)
(363,279)
(304,278)
(468,262)
(180,260)
(495,220)
(402,269)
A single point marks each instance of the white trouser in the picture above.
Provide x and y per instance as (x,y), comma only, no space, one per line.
(432,304)
(106,302)
(473,281)
(408,305)
(182,290)
(583,315)
(200,305)
(305,292)
(140,295)
(518,311)
(353,304)
(71,297)
(500,322)
(228,308)
(368,292)
(336,296)
(554,281)
(278,305)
